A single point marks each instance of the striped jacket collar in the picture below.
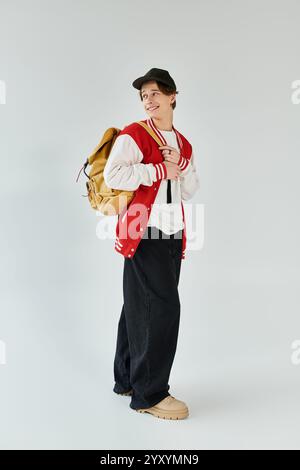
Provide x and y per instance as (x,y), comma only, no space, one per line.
(151,124)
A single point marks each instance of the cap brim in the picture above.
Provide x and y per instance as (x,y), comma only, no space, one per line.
(138,82)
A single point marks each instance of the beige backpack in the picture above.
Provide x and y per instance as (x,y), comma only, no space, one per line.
(107,200)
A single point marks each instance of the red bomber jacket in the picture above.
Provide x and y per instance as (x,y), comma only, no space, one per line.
(132,221)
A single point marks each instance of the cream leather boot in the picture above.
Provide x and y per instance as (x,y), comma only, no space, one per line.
(168,408)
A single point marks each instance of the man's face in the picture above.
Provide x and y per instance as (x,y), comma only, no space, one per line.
(155,102)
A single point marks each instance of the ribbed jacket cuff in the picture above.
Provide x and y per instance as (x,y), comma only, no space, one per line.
(161,171)
(183,163)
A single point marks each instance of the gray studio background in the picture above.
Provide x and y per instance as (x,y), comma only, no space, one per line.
(68,67)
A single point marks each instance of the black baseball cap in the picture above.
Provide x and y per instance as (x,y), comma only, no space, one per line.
(159,75)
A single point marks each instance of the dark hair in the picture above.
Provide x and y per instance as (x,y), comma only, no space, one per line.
(166,90)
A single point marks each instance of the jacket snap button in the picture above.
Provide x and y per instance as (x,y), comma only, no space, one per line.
(132,249)
(129,256)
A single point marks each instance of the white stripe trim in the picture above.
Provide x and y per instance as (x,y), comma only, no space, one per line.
(181,163)
(118,240)
(124,216)
(152,125)
(159,171)
(184,164)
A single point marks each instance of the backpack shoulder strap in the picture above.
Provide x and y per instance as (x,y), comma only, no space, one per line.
(150,131)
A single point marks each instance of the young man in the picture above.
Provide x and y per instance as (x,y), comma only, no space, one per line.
(161,176)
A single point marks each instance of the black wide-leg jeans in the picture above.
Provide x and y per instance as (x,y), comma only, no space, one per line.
(149,322)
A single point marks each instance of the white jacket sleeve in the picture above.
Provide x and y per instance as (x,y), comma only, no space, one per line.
(189,180)
(124,170)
